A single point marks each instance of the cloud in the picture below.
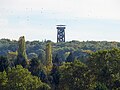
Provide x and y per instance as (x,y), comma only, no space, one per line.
(105,9)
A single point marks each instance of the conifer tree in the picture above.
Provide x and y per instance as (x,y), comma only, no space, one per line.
(49,63)
(22,56)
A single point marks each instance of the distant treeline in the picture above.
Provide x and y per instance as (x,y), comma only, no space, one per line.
(37,48)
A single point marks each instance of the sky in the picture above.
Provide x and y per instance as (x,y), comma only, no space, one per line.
(97,20)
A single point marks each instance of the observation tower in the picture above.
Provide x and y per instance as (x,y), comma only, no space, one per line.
(61,33)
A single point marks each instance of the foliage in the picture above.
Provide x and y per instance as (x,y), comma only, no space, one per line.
(54,64)
(55,77)
(100,86)
(70,58)
(48,57)
(3,80)
(22,57)
(4,63)
(57,60)
(75,76)
(20,78)
(105,65)
(41,56)
(37,68)
(78,48)
(32,55)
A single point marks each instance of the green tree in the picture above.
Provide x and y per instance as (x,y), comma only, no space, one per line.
(4,63)
(100,86)
(56,60)
(75,76)
(41,56)
(49,63)
(32,55)
(35,66)
(105,65)
(37,69)
(22,57)
(70,58)
(55,77)
(3,80)
(20,78)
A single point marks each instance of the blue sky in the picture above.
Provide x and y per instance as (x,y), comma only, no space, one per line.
(37,19)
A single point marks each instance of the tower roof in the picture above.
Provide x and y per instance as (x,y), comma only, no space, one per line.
(60,25)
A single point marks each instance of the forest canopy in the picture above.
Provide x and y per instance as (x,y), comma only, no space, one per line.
(73,65)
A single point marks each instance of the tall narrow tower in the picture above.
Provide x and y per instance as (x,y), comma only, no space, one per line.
(61,33)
